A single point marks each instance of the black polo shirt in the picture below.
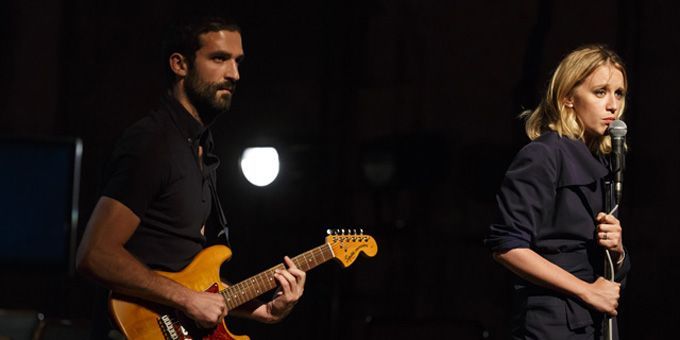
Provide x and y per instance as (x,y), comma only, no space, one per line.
(156,172)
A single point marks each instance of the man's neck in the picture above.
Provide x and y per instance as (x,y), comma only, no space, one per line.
(180,95)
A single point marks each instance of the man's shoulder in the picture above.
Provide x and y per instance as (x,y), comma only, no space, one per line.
(149,134)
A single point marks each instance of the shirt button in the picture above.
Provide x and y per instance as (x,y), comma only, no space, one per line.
(189,140)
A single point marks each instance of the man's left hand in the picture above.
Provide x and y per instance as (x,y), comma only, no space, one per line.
(291,286)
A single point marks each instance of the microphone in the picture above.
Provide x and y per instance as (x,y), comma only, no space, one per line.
(617,132)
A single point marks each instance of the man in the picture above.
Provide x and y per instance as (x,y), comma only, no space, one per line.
(159,195)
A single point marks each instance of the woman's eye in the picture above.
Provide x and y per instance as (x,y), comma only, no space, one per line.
(600,92)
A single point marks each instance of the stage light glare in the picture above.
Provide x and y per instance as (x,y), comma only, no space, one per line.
(260,165)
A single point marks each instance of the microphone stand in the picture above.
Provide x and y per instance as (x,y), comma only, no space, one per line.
(609,269)
(613,193)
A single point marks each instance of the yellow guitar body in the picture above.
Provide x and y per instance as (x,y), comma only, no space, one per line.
(140,319)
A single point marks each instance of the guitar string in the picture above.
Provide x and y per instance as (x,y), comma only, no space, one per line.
(248,294)
(243,292)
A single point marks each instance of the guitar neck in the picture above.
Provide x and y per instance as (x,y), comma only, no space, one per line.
(254,286)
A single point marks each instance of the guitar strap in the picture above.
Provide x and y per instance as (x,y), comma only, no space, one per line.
(217,207)
(212,183)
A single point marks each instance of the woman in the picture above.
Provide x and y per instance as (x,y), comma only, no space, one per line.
(553,230)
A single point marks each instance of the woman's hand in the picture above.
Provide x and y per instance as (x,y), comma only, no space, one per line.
(609,233)
(603,295)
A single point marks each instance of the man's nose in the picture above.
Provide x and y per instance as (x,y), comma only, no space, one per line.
(231,71)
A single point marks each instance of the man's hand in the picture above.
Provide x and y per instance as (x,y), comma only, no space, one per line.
(207,309)
(291,286)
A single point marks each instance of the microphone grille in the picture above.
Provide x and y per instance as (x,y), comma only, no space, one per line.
(618,128)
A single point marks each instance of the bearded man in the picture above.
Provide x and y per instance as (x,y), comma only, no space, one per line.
(159,205)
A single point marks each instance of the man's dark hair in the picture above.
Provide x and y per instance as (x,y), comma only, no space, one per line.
(183,38)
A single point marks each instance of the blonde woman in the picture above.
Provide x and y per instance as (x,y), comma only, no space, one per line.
(552,228)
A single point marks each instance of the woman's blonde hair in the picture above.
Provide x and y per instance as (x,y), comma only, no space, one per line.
(552,113)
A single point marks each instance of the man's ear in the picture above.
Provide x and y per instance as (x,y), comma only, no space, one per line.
(178,64)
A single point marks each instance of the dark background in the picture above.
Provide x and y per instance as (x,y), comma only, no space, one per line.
(430,89)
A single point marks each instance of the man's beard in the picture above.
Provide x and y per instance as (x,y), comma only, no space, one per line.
(203,96)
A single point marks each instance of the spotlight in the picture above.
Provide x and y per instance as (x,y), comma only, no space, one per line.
(260,165)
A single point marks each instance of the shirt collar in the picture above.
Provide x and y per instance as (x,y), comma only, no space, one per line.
(190,128)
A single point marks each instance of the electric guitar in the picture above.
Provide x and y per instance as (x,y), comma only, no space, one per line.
(141,319)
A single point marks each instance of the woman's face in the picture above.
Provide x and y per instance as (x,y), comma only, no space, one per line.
(597,101)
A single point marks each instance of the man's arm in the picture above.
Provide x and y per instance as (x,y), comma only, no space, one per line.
(102,256)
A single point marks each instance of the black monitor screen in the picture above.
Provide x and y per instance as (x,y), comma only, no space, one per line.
(38,201)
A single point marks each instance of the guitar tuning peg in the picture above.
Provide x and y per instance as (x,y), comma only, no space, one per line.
(361,231)
(342,231)
(329,231)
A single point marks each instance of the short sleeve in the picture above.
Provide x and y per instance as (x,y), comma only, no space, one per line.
(525,198)
(137,169)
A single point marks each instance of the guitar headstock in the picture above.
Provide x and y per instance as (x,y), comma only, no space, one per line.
(347,244)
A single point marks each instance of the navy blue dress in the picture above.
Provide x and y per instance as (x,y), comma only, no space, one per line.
(547,202)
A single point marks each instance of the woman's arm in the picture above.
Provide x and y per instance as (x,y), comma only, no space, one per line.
(602,295)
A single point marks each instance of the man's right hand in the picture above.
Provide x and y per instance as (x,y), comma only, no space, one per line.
(603,295)
(207,309)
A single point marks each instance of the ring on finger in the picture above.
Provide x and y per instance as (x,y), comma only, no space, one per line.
(605,236)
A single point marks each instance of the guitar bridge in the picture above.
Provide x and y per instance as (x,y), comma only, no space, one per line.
(168,328)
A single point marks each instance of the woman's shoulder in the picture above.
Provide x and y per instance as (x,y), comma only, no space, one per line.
(545,147)
(549,139)
(550,143)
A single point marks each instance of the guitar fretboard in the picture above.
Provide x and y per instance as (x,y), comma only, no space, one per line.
(256,285)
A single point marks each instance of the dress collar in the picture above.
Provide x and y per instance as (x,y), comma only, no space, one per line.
(579,166)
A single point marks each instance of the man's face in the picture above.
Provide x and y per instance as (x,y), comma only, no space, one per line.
(211,80)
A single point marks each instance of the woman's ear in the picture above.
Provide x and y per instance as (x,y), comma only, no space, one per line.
(178,64)
(569,102)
